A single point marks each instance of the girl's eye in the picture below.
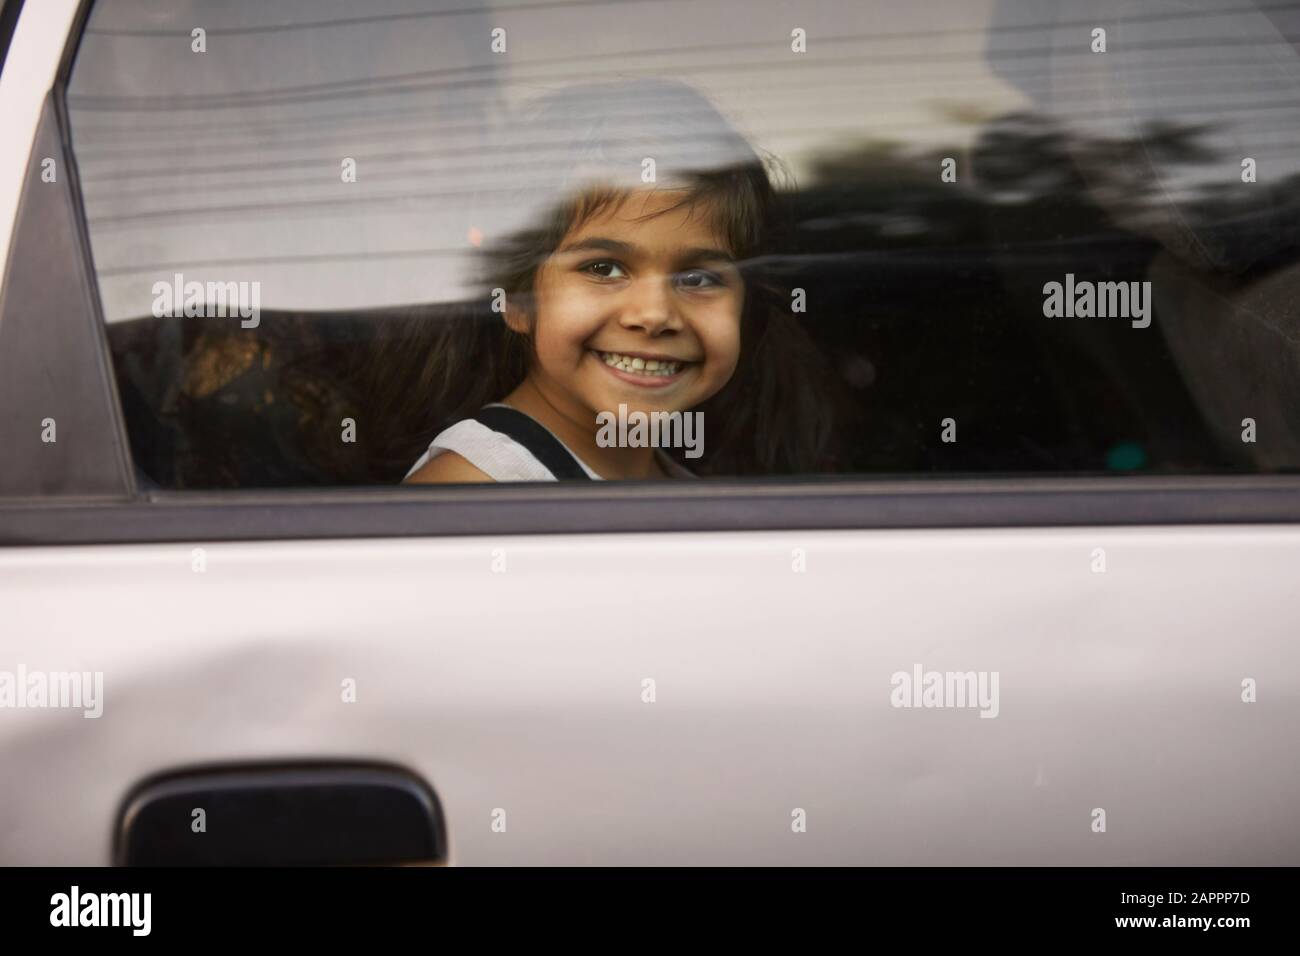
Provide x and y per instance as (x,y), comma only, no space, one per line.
(698,279)
(605,269)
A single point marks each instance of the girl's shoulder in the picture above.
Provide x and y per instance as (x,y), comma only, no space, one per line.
(446,468)
(470,451)
(483,451)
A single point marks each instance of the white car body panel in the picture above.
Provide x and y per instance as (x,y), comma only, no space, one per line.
(522,690)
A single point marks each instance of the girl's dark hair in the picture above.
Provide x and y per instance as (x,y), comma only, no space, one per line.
(588,145)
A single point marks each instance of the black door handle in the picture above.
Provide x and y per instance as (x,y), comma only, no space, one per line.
(281,815)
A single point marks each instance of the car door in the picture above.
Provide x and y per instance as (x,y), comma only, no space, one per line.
(1032,645)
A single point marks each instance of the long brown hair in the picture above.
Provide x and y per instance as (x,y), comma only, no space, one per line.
(436,366)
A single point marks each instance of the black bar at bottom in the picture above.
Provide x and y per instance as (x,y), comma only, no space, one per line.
(476,907)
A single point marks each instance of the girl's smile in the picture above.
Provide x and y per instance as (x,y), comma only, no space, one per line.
(644,370)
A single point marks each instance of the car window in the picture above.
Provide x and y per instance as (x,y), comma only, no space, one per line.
(826,239)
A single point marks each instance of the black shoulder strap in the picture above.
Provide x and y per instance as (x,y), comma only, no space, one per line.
(544,446)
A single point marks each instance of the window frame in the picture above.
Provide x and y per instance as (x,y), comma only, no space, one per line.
(61,321)
(130,515)
(9,12)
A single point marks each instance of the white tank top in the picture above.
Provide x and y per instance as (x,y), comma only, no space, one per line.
(502,458)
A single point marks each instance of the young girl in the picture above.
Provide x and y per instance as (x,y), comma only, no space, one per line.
(633,290)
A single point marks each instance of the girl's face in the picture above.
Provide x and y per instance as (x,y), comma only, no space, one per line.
(641,306)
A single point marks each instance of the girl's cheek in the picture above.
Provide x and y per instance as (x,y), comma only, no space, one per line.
(563,321)
(728,350)
(729,337)
(577,311)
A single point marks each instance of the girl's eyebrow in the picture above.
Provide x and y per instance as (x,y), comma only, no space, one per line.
(618,247)
(597,243)
(703,253)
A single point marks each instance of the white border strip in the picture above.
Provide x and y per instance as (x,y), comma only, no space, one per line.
(38,42)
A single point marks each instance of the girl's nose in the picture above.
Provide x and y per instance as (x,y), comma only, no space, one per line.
(649,306)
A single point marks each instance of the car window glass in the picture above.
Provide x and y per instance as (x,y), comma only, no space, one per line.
(1004,237)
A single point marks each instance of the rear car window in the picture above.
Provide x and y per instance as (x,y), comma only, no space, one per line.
(1002,237)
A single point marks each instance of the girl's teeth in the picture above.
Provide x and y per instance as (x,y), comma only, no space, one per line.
(640,366)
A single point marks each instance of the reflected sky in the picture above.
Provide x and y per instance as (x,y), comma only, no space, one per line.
(226,165)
